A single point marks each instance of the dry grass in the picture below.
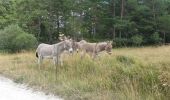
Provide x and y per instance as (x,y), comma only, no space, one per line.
(129,74)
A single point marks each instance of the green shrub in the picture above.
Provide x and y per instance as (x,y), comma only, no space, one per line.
(155,38)
(25,41)
(14,39)
(125,60)
(136,40)
(121,42)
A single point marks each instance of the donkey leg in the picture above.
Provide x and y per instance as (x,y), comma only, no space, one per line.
(82,54)
(55,60)
(61,60)
(39,61)
(55,63)
(94,55)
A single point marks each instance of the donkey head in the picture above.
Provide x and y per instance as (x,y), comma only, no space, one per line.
(62,38)
(76,46)
(68,45)
(108,47)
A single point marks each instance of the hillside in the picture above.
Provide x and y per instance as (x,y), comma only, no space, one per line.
(129,73)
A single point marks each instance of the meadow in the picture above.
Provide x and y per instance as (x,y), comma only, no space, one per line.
(128,74)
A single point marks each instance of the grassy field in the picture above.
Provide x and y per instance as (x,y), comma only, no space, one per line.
(128,74)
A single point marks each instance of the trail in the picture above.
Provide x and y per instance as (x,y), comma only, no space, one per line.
(12,91)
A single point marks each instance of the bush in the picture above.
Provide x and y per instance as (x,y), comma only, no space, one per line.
(136,40)
(14,39)
(121,42)
(155,38)
(25,41)
(125,60)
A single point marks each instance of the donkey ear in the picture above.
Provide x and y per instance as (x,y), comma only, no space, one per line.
(107,42)
(60,38)
(111,42)
(68,37)
(64,45)
(65,38)
(74,40)
(61,35)
(71,39)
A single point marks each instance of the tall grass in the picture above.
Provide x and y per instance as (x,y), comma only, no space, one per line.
(128,74)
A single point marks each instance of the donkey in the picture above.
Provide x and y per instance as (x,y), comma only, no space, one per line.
(53,51)
(93,49)
(78,45)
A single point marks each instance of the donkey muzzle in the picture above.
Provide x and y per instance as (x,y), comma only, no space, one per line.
(71,50)
(109,53)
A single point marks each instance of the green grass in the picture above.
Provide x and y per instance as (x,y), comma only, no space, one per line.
(128,74)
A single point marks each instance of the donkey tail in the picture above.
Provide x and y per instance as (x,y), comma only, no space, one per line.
(36,54)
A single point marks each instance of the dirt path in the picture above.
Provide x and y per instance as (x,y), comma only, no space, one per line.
(12,91)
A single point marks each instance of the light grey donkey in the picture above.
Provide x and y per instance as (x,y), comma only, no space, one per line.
(93,49)
(53,51)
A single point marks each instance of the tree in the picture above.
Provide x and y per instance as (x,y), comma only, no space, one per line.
(14,39)
(91,19)
(163,24)
(7,13)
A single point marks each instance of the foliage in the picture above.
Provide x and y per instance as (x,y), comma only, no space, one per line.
(24,41)
(92,19)
(155,38)
(13,39)
(137,40)
(7,13)
(164,23)
(120,42)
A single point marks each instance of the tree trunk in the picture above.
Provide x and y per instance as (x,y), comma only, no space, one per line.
(122,14)
(164,37)
(58,24)
(120,34)
(114,13)
(74,24)
(50,32)
(153,9)
(122,9)
(39,28)
(93,30)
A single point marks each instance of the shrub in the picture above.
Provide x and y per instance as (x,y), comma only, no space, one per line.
(136,40)
(125,60)
(14,39)
(24,41)
(155,38)
(121,42)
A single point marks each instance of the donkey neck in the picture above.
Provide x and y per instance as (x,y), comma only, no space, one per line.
(60,47)
(101,46)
